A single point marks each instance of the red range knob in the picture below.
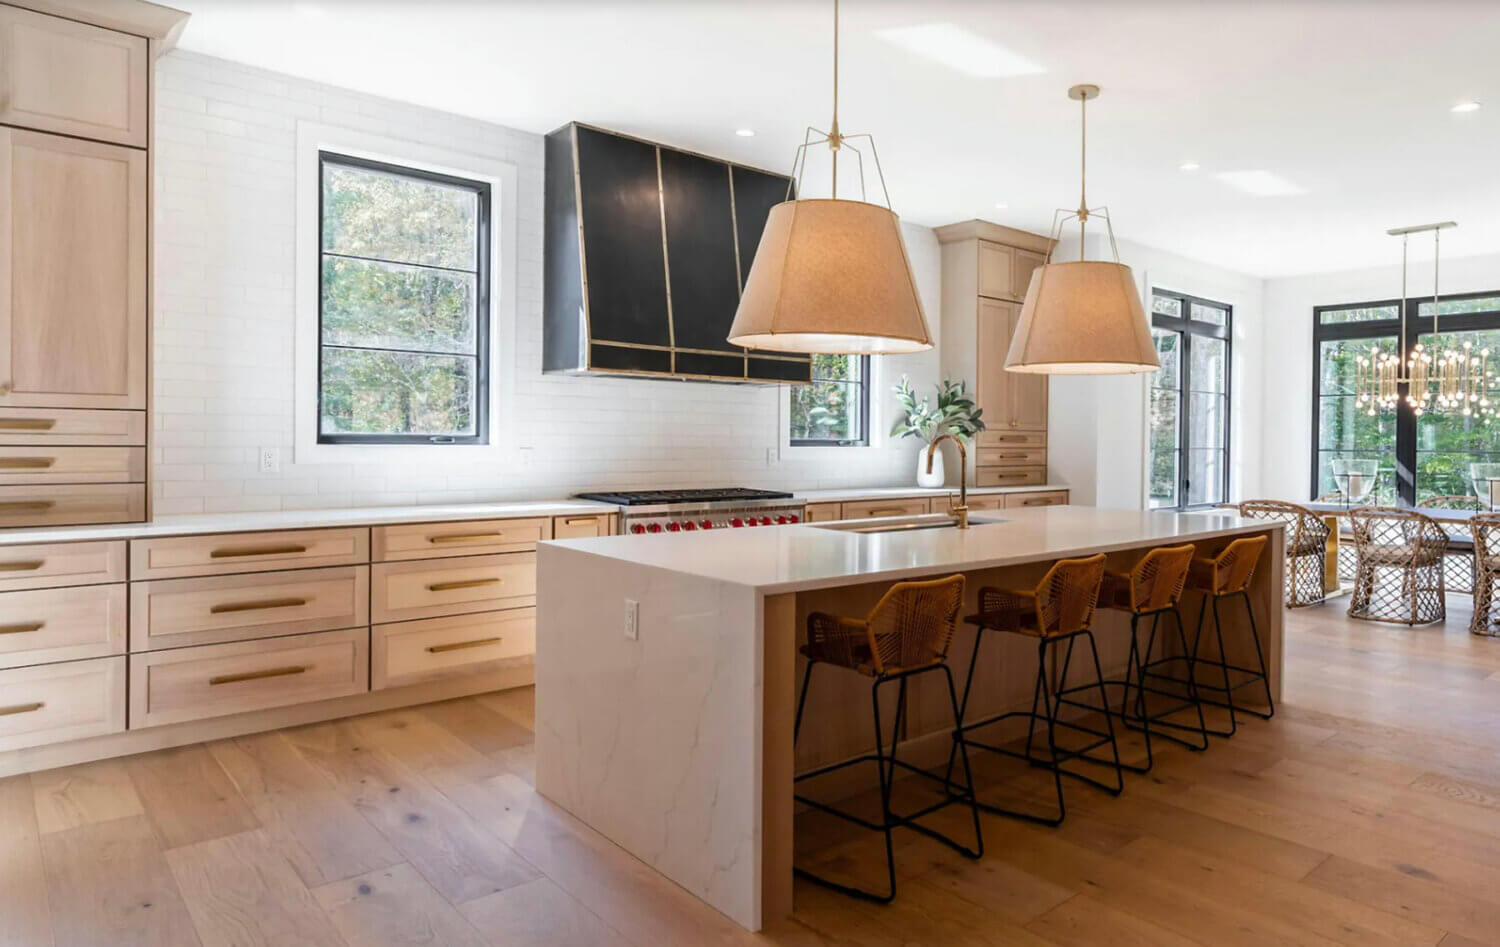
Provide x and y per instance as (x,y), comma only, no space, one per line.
(795,518)
(654,528)
(707,524)
(690,525)
(637,528)
(736,522)
(674,527)
(765,521)
(780,520)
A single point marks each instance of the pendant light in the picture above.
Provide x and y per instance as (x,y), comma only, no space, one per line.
(831,274)
(1082,317)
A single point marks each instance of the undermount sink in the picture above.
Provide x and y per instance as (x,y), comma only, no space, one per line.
(905,524)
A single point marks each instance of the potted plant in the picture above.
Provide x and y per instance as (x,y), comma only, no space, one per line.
(953,413)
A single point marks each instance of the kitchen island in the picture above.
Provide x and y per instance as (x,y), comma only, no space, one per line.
(666,668)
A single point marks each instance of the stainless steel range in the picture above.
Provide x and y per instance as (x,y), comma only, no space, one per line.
(685,511)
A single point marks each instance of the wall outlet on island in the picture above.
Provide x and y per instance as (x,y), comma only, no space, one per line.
(269,460)
(632,619)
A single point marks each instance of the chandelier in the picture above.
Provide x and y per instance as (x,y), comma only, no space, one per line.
(1438,380)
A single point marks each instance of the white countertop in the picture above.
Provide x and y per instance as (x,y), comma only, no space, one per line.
(775,559)
(885,493)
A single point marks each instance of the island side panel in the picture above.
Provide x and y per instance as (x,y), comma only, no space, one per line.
(777,759)
(654,743)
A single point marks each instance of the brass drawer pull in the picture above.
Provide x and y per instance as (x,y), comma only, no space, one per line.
(21,709)
(27,506)
(27,424)
(21,628)
(258,675)
(1011,456)
(29,565)
(889,511)
(257,606)
(461,645)
(464,584)
(256,551)
(582,521)
(26,463)
(464,537)
(1036,503)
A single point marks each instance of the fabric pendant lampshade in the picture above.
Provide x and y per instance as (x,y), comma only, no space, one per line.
(1082,318)
(831,276)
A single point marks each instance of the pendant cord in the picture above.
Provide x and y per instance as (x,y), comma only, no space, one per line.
(833,137)
(1083,176)
(1404,238)
(1436,237)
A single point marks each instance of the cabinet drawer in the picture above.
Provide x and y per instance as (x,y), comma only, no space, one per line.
(51,565)
(470,538)
(171,613)
(581,527)
(1011,476)
(409,652)
(64,76)
(1054,498)
(409,590)
(58,702)
(1007,438)
(996,270)
(43,426)
(225,553)
(1011,456)
(822,512)
(993,501)
(21,465)
(869,509)
(72,504)
(216,680)
(46,625)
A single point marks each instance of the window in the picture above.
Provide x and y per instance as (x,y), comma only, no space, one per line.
(403,305)
(1189,402)
(833,411)
(1418,457)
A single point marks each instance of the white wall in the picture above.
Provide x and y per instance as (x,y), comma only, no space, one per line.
(224,282)
(1097,425)
(1286,459)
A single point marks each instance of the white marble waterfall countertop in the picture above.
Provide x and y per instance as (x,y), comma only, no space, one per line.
(776,559)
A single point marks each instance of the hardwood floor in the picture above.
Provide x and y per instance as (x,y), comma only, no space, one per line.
(1366,812)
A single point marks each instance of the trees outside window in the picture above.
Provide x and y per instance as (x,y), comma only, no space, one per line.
(835,409)
(1189,402)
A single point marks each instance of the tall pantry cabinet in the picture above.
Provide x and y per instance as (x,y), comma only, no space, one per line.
(76,80)
(986,269)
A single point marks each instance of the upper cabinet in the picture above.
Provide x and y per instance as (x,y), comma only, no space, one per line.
(646,251)
(73,272)
(72,78)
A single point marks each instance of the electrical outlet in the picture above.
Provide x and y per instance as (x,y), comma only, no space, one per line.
(632,619)
(270,460)
(772,456)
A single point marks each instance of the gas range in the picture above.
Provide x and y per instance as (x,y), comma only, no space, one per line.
(686,511)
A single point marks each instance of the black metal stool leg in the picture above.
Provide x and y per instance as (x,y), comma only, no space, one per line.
(1260,659)
(1192,685)
(1051,716)
(968,773)
(1234,724)
(1109,723)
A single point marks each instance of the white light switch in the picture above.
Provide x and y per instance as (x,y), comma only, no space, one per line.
(632,619)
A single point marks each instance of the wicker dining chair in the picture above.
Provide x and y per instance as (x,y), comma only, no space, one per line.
(1485,528)
(1306,548)
(1458,564)
(905,635)
(1398,575)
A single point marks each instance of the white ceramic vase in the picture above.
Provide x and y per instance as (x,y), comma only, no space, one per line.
(935,479)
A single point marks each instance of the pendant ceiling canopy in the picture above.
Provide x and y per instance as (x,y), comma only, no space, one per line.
(1082,317)
(832,275)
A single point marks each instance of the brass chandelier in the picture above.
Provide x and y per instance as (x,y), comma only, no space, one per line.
(1438,380)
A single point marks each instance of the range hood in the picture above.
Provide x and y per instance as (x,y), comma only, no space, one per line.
(647,249)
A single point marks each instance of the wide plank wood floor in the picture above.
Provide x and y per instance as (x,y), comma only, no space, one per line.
(1366,812)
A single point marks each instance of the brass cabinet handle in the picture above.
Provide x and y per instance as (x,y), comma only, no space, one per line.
(21,709)
(256,551)
(1036,503)
(26,565)
(461,645)
(27,424)
(26,463)
(580,521)
(888,511)
(21,628)
(256,606)
(27,506)
(464,537)
(1010,456)
(464,584)
(258,675)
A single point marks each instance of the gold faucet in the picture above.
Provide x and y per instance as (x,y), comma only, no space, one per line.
(960,511)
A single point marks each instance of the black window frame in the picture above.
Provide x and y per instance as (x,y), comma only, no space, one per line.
(1190,328)
(864,410)
(1417,325)
(482,291)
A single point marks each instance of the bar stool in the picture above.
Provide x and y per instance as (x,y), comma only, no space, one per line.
(1152,589)
(905,635)
(1227,575)
(1059,609)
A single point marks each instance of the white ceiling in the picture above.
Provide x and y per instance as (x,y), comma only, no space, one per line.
(1346,99)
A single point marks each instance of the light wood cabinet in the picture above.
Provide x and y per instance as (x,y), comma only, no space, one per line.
(72,273)
(1049,498)
(1024,264)
(432,588)
(46,625)
(822,512)
(582,527)
(410,652)
(1012,476)
(47,426)
(1011,401)
(23,465)
(469,538)
(997,270)
(224,553)
(171,613)
(64,76)
(50,565)
(875,509)
(51,703)
(72,504)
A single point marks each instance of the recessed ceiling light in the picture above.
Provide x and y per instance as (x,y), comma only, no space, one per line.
(745,132)
(1465,107)
(1260,183)
(1188,166)
(961,49)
